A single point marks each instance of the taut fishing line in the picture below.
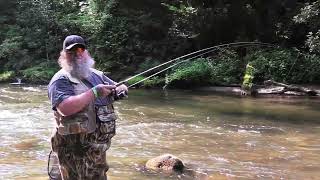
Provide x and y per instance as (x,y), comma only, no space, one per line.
(189,57)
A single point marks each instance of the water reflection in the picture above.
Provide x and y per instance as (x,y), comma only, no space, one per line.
(221,136)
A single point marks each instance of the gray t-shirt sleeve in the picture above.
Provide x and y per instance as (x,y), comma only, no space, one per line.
(60,90)
(108,80)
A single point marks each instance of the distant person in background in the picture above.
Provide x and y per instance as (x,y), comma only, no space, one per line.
(82,100)
(248,87)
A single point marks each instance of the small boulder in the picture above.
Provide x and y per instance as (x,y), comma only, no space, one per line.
(166,162)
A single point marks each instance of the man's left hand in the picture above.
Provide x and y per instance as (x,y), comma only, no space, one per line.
(121,91)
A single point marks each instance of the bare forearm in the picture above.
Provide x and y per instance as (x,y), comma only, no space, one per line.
(76,103)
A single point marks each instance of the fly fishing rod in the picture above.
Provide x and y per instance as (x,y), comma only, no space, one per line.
(189,57)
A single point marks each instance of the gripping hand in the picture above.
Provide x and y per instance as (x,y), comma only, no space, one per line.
(121,92)
(102,90)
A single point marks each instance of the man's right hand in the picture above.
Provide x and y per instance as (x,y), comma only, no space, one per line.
(102,90)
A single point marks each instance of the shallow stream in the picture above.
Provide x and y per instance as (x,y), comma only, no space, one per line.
(218,136)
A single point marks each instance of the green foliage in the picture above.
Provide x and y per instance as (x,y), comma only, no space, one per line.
(308,69)
(309,15)
(224,68)
(227,68)
(307,12)
(152,82)
(147,64)
(135,80)
(12,54)
(109,44)
(182,9)
(271,64)
(6,76)
(40,73)
(10,46)
(195,72)
(313,41)
(126,37)
(109,36)
(285,66)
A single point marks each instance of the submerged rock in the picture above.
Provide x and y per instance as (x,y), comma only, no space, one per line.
(166,162)
(27,144)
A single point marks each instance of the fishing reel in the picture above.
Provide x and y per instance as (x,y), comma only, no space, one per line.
(120,95)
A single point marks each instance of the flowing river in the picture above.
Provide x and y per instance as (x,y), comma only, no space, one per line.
(217,136)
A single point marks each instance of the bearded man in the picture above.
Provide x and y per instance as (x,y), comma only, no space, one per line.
(81,99)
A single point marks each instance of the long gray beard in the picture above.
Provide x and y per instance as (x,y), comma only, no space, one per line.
(82,70)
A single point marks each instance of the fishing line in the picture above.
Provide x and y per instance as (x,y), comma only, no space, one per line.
(193,56)
(163,70)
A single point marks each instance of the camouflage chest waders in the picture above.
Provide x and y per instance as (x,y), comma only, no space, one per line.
(79,157)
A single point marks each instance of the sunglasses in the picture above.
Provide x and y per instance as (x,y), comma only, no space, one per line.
(77,50)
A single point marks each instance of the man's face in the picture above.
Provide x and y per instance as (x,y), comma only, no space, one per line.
(79,54)
(75,52)
(80,62)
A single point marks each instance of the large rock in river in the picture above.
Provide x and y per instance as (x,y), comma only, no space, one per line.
(166,162)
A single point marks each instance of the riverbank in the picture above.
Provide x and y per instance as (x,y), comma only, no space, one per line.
(261,92)
(227,90)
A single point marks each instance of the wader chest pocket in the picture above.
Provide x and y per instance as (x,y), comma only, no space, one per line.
(74,124)
(106,123)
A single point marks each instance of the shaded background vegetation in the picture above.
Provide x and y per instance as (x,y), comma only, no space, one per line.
(126,37)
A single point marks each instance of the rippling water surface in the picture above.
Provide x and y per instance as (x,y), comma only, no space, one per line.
(216,136)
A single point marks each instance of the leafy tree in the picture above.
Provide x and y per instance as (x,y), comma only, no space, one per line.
(126,37)
(309,15)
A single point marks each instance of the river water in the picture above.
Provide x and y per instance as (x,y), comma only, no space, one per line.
(216,136)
